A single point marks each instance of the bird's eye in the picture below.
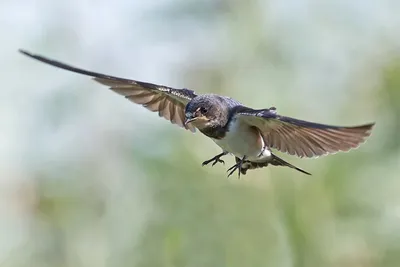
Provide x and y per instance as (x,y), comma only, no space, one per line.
(203,110)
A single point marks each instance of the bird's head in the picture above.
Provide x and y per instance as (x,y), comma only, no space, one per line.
(206,111)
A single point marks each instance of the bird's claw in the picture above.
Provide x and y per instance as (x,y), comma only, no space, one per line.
(218,160)
(232,170)
(214,161)
(237,166)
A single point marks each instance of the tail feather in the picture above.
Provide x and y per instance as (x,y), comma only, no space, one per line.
(276,161)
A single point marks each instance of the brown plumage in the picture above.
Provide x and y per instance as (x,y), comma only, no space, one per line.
(246,133)
(302,138)
(170,103)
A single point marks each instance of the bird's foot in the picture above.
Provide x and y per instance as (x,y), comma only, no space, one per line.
(214,160)
(237,166)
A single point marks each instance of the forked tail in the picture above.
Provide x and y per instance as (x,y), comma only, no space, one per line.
(277,161)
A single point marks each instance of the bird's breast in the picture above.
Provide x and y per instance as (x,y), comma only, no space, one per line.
(243,140)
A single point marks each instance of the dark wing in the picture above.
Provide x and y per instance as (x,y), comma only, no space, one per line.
(168,102)
(302,138)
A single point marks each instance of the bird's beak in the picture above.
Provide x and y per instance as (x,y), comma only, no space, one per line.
(189,120)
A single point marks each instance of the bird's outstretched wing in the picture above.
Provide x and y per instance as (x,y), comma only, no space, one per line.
(168,102)
(302,138)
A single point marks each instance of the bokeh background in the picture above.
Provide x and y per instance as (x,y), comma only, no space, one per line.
(90,179)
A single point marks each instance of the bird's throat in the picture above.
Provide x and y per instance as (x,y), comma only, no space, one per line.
(216,132)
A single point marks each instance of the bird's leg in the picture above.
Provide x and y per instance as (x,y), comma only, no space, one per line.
(215,159)
(236,166)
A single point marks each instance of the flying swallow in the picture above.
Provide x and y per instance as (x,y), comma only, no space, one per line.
(248,134)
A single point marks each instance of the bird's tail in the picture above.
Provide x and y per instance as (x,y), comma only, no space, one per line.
(275,160)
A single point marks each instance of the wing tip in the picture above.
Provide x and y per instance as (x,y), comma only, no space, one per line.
(23,51)
(362,132)
(26,53)
(367,127)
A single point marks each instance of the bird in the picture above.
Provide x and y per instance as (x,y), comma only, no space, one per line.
(250,135)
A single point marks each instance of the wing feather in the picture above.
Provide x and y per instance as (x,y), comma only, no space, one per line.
(302,138)
(169,102)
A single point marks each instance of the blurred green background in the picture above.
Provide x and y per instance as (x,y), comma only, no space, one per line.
(89,179)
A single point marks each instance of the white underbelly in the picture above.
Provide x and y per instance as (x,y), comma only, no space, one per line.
(242,141)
